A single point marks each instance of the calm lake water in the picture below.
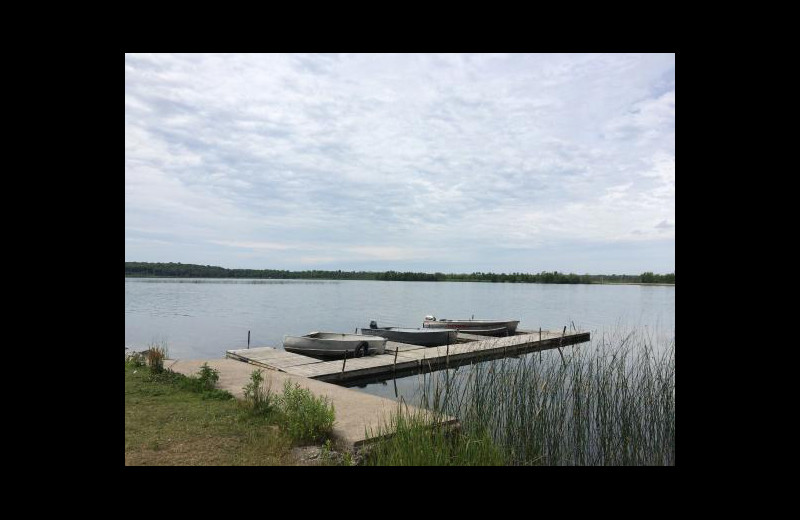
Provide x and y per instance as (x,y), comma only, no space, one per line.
(202,318)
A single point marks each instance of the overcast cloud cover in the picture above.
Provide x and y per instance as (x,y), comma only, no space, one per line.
(421,162)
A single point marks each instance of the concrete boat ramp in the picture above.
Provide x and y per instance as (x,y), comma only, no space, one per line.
(359,416)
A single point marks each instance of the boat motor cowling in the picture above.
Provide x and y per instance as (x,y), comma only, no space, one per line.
(373,324)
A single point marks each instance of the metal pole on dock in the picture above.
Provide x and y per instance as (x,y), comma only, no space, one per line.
(345,361)
(248,339)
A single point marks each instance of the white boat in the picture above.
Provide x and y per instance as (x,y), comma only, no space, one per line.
(334,344)
(471,326)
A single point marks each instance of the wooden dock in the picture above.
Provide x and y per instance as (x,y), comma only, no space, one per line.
(400,359)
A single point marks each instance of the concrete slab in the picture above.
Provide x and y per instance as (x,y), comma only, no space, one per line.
(358,415)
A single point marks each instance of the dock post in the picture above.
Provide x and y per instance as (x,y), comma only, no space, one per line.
(560,343)
(540,343)
(248,339)
(344,362)
(394,367)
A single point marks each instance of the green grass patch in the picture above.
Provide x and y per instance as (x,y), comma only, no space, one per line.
(168,422)
(202,384)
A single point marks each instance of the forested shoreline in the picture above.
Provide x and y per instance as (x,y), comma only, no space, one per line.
(179,270)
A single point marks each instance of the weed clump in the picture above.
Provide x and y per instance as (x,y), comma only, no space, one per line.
(156,355)
(258,394)
(307,418)
(208,377)
(204,383)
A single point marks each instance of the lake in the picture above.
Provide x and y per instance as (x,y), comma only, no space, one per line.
(202,318)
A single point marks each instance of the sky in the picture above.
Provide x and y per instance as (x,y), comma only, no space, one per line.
(453,163)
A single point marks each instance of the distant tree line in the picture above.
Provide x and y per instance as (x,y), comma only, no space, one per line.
(179,270)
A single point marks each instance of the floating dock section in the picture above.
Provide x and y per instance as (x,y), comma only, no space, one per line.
(401,359)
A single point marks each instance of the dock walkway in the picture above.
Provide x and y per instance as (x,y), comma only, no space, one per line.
(360,417)
(401,359)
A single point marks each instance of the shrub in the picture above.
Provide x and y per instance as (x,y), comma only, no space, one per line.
(258,393)
(307,418)
(208,377)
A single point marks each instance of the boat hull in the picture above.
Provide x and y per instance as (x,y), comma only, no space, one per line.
(334,345)
(422,337)
(495,331)
(481,327)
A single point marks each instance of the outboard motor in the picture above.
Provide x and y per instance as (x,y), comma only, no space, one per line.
(430,318)
(373,324)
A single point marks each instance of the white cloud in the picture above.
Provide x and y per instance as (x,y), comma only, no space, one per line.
(389,158)
(252,245)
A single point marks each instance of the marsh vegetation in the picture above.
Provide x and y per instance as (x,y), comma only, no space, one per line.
(611,402)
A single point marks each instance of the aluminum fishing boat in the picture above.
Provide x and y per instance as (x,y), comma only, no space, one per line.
(412,336)
(334,344)
(472,326)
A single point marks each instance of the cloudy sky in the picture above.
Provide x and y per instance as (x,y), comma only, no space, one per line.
(421,162)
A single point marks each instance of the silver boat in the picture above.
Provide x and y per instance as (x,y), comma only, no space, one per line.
(471,326)
(334,344)
(412,336)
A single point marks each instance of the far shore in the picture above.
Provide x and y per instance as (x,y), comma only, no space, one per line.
(368,280)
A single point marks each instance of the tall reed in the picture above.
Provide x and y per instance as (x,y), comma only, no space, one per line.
(610,402)
(421,438)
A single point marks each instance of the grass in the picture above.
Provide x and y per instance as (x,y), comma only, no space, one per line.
(420,439)
(177,420)
(171,424)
